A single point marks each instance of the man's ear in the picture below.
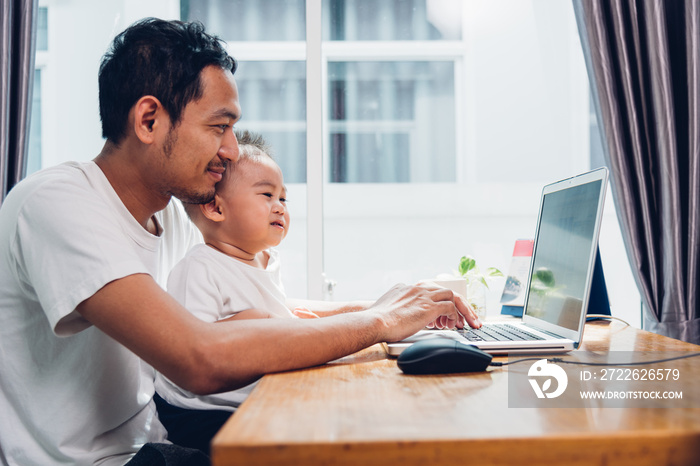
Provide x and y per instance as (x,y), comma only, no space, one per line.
(212,210)
(148,117)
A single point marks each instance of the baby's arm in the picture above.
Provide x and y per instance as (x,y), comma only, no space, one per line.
(250,314)
(305,308)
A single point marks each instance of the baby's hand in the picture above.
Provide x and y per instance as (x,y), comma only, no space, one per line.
(304,313)
(253,314)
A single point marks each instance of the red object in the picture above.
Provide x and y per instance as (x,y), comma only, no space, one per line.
(523,247)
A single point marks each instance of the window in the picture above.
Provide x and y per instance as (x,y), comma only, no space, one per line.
(440,122)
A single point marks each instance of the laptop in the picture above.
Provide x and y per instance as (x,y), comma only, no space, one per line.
(561,269)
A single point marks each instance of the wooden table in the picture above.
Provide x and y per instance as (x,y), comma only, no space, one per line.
(362,410)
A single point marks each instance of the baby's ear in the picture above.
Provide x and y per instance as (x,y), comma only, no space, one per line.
(212,210)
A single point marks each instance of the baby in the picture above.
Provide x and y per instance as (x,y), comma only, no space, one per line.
(236,268)
(235,274)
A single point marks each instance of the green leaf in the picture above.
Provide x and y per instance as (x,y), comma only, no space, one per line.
(466,263)
(493,272)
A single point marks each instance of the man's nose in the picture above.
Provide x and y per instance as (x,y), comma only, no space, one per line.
(229,146)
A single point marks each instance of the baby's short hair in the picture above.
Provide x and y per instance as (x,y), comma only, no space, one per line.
(252,144)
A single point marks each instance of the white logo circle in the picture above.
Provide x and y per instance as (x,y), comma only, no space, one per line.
(542,369)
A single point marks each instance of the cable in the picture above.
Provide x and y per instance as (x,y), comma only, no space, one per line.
(499,364)
(607,317)
(562,361)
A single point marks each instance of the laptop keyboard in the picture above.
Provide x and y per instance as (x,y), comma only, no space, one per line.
(503,332)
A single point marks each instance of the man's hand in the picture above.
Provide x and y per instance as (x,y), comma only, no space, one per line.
(407,309)
(465,309)
(463,306)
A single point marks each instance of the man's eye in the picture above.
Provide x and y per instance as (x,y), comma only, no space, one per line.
(267,194)
(283,200)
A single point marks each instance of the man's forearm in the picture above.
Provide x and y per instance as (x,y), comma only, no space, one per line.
(276,345)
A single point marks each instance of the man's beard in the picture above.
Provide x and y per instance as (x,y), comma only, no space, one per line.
(190,197)
(185,194)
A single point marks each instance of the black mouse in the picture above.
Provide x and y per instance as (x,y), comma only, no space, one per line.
(442,356)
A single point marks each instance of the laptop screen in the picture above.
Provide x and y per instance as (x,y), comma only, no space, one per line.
(563,252)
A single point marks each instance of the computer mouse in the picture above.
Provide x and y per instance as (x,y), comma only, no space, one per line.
(442,356)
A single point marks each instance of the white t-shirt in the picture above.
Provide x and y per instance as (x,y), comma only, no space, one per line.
(69,394)
(214,286)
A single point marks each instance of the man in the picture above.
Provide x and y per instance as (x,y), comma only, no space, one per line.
(82,246)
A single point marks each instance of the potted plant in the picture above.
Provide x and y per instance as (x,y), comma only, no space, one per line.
(477,283)
(469,281)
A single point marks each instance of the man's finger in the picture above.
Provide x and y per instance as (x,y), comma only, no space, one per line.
(466,310)
(442,294)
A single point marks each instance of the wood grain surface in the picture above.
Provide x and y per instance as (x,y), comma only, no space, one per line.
(362,410)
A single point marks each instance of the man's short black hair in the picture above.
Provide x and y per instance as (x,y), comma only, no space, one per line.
(159,58)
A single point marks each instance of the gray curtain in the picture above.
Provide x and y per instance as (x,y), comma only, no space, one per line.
(17,45)
(643,59)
